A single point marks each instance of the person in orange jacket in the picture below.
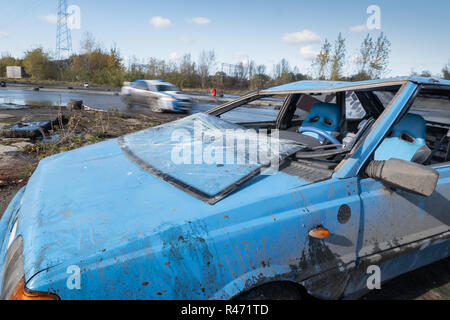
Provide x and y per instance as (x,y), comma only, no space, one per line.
(213,92)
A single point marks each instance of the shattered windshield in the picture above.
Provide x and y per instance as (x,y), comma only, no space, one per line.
(204,155)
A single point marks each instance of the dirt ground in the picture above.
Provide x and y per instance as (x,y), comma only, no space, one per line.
(19,157)
(7,192)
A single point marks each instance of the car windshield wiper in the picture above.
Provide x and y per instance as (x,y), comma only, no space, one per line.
(321,153)
(323,147)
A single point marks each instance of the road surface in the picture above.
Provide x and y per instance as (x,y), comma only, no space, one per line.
(22,97)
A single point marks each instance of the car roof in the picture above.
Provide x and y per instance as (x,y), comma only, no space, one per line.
(155,82)
(316,86)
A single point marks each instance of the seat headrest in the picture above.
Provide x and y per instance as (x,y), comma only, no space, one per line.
(324,114)
(411,124)
(408,138)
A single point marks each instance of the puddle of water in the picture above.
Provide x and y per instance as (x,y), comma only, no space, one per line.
(55,99)
(11,104)
(11,107)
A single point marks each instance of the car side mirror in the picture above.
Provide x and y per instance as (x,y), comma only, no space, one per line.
(404,175)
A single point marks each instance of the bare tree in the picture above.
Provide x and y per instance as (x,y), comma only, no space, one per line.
(251,68)
(187,67)
(260,78)
(322,60)
(281,70)
(338,58)
(261,69)
(206,63)
(242,71)
(365,55)
(373,58)
(380,57)
(88,43)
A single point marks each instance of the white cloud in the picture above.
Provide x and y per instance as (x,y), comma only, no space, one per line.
(358,29)
(160,22)
(304,36)
(174,56)
(50,18)
(3,34)
(308,53)
(200,20)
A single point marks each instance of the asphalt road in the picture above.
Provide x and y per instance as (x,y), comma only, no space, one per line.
(23,97)
(20,96)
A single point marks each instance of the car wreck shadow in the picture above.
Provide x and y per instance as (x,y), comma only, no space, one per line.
(431,282)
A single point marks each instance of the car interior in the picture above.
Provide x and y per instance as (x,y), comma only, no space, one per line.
(325,126)
(433,108)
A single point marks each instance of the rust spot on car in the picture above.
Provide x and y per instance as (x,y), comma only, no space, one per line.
(145,283)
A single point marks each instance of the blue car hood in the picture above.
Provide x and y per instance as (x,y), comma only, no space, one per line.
(83,203)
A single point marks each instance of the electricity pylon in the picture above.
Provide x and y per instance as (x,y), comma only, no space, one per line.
(63,35)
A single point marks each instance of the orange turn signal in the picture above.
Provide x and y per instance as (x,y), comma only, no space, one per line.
(22,293)
(319,233)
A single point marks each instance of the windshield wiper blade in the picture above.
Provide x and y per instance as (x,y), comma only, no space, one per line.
(321,153)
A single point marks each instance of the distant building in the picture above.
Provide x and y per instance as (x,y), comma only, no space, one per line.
(14,72)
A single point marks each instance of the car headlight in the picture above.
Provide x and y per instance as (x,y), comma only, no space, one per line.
(13,276)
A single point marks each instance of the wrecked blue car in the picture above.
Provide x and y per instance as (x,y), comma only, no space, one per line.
(327,189)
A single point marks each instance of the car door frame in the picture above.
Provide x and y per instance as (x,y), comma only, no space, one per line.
(406,254)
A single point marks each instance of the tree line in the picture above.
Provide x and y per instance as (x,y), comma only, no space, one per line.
(371,61)
(100,66)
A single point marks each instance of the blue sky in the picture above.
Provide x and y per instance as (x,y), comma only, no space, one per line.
(264,31)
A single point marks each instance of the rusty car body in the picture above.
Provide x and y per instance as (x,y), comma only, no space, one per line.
(138,226)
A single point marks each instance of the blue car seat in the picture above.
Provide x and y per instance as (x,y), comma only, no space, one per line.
(323,116)
(407,141)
